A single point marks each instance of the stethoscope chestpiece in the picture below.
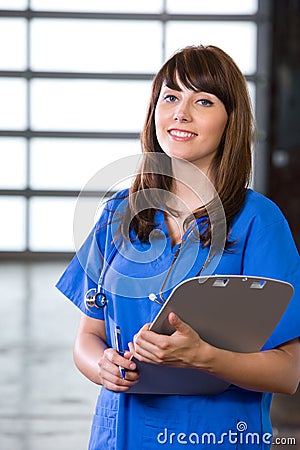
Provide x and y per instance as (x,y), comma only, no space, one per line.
(95,298)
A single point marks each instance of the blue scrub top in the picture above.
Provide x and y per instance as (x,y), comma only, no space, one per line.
(238,418)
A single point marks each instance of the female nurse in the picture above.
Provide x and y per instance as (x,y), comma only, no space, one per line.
(159,232)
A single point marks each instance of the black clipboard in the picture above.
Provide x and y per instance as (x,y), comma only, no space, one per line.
(232,312)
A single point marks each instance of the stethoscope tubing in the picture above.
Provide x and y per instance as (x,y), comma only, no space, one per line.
(95,297)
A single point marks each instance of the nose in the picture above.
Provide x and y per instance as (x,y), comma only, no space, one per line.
(179,117)
(182,114)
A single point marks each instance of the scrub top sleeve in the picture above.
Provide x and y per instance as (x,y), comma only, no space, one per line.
(84,270)
(271,252)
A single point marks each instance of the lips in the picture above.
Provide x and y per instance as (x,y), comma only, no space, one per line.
(181,134)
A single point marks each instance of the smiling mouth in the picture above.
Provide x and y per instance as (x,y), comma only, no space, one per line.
(182,134)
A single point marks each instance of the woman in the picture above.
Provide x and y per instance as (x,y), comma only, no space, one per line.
(199,121)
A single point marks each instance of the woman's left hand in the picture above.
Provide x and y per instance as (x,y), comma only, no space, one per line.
(183,348)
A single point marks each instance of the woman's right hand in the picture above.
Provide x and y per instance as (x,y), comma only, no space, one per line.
(110,374)
(99,363)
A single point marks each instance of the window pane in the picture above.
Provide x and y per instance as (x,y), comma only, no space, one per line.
(98,5)
(212,6)
(221,34)
(13,163)
(96,46)
(51,160)
(89,105)
(51,224)
(13,4)
(12,223)
(13,103)
(13,53)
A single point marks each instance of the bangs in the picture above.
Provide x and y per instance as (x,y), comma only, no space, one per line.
(198,71)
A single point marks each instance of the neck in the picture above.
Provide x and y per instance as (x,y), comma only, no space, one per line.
(191,187)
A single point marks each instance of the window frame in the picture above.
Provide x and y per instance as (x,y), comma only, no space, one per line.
(262,19)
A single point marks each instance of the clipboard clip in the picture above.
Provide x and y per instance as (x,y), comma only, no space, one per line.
(255,284)
(221,282)
(258,284)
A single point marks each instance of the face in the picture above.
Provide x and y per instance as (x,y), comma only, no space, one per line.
(190,125)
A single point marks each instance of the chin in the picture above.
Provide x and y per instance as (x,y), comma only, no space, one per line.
(178,154)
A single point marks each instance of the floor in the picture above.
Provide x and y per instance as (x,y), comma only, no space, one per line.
(45,402)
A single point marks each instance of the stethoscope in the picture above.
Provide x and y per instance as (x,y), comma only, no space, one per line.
(160,299)
(96,298)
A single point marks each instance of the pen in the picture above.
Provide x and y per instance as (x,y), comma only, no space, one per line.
(120,350)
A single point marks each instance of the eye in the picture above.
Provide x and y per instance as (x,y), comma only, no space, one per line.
(205,102)
(170,98)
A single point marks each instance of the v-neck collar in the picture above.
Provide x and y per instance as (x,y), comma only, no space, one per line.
(161,224)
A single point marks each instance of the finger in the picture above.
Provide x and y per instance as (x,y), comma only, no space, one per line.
(110,373)
(118,387)
(145,327)
(143,331)
(152,354)
(131,348)
(130,370)
(131,375)
(127,354)
(144,337)
(116,378)
(178,324)
(151,347)
(113,356)
(149,342)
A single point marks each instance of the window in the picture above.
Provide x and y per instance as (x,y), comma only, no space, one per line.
(13,94)
(12,224)
(13,163)
(118,6)
(75,80)
(88,105)
(52,159)
(13,47)
(212,7)
(223,35)
(95,45)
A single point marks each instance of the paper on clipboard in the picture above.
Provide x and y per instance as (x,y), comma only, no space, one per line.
(232,312)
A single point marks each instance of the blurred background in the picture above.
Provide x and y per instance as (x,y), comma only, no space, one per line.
(75,79)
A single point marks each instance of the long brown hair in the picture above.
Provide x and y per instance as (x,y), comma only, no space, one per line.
(207,69)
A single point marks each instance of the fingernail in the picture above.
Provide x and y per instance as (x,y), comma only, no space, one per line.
(132,366)
(174,318)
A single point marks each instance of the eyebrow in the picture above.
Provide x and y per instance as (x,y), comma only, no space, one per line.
(169,87)
(196,92)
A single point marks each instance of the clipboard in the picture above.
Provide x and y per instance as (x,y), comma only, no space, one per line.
(232,312)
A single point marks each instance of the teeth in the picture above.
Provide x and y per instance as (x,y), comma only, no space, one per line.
(182,134)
